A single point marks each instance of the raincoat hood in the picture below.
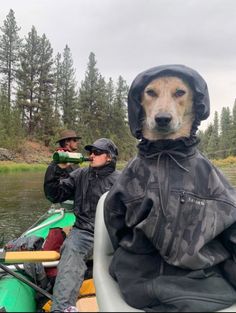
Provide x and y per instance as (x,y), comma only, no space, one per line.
(193,78)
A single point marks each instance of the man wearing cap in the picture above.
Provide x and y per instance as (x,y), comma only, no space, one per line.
(85,186)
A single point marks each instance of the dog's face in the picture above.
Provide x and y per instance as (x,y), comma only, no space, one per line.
(168,106)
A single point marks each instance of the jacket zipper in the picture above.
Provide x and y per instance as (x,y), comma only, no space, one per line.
(182,201)
(204,198)
(158,238)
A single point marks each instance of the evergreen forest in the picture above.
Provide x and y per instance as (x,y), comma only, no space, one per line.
(218,141)
(39,96)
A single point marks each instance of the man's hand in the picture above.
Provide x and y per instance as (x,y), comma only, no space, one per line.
(64,165)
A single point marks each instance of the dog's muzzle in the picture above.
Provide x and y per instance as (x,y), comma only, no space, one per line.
(163,120)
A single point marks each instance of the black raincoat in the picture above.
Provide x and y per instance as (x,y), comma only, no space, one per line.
(171,216)
(85,186)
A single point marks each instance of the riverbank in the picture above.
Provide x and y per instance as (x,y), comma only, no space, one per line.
(227,162)
(28,152)
(33,152)
(10,166)
(34,156)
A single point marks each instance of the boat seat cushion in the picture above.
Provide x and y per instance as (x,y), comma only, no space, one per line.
(109,297)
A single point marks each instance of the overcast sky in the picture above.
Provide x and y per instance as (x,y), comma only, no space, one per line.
(129,36)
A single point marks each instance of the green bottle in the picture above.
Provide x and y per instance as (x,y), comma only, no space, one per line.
(69,157)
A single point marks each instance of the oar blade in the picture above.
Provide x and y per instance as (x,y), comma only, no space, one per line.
(29,256)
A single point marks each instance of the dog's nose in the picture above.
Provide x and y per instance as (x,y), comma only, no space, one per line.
(163,119)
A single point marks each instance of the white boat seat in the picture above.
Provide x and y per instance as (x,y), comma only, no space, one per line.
(108,294)
(68,205)
(109,297)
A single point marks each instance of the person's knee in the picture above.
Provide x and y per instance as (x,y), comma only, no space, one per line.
(68,246)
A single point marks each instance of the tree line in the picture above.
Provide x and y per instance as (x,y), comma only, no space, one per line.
(39,95)
(218,141)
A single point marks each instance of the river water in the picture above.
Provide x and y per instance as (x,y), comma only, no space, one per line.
(22,201)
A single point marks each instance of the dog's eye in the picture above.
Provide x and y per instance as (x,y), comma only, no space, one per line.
(151,93)
(179,93)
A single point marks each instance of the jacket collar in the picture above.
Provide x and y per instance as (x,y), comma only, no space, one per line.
(181,147)
(102,171)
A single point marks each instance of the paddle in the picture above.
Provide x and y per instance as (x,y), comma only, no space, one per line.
(28,256)
(20,266)
(26,281)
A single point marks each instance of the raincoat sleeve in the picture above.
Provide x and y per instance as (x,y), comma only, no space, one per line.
(114,215)
(229,266)
(229,240)
(56,188)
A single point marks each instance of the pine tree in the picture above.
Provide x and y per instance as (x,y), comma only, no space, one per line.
(213,143)
(201,136)
(234,129)
(10,44)
(46,119)
(110,92)
(28,82)
(101,110)
(226,132)
(88,104)
(57,94)
(11,133)
(206,138)
(68,90)
(120,128)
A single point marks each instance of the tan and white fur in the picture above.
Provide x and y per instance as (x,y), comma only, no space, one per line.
(168,105)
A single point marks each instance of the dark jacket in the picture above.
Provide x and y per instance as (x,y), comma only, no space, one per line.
(172,213)
(64,173)
(85,186)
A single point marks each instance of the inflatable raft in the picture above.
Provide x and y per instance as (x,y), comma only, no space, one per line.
(15,295)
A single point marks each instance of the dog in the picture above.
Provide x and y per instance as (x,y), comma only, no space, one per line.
(171,215)
(168,107)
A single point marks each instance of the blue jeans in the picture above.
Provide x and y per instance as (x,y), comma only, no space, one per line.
(75,251)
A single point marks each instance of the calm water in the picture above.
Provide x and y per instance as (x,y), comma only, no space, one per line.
(22,202)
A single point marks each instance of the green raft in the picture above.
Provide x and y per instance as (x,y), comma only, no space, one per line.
(16,296)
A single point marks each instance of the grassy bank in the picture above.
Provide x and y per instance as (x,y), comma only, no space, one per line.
(8,166)
(228,162)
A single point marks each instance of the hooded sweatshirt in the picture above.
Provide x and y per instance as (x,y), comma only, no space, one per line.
(171,216)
